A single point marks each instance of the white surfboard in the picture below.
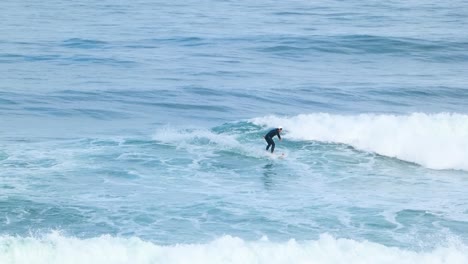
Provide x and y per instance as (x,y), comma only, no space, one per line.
(277,156)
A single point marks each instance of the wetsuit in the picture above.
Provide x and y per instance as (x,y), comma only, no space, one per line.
(269,139)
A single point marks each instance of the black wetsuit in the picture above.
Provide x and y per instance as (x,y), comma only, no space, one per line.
(269,139)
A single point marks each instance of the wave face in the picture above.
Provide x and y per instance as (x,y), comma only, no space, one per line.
(436,141)
(55,248)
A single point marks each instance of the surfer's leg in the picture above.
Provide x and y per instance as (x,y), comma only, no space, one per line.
(269,142)
(272,146)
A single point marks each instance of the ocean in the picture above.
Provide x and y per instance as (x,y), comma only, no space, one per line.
(132,131)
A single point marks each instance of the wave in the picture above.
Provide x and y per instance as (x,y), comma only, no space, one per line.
(436,141)
(206,142)
(421,49)
(56,248)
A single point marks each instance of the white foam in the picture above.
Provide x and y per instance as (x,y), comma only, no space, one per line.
(172,135)
(55,248)
(436,141)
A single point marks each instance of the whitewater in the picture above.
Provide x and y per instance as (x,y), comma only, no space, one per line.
(132,132)
(57,249)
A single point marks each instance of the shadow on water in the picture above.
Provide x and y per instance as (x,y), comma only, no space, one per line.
(268,175)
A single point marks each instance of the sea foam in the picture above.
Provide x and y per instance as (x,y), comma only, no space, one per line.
(55,248)
(436,141)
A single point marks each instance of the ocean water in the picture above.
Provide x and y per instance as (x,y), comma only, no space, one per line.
(131,131)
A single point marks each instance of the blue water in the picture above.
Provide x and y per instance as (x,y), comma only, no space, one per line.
(131,131)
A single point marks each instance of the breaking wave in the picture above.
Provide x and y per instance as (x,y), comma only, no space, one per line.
(436,141)
(56,248)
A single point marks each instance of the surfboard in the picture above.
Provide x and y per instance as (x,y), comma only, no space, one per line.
(277,156)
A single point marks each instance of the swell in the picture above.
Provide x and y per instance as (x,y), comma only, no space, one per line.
(421,49)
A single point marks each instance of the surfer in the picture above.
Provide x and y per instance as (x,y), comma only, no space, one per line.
(269,138)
